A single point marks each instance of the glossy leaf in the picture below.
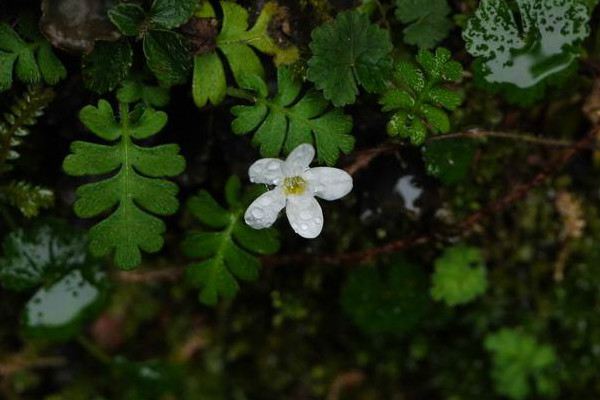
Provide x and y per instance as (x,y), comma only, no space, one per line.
(105,67)
(40,254)
(520,50)
(58,311)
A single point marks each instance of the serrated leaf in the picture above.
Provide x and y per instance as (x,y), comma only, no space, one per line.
(40,254)
(169,14)
(32,63)
(238,43)
(390,300)
(136,186)
(518,360)
(229,253)
(105,67)
(517,57)
(290,119)
(419,97)
(428,22)
(459,276)
(167,56)
(347,53)
(128,18)
(59,311)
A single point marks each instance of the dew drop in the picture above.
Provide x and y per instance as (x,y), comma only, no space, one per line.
(305,215)
(258,213)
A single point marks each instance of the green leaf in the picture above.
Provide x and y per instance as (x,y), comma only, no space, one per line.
(238,44)
(460,275)
(229,252)
(27,198)
(40,254)
(135,186)
(290,119)
(32,63)
(128,18)
(419,97)
(389,300)
(169,14)
(518,359)
(428,22)
(167,56)
(348,52)
(59,311)
(105,67)
(137,88)
(448,160)
(523,50)
(15,123)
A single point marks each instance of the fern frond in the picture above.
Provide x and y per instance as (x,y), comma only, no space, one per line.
(26,197)
(15,123)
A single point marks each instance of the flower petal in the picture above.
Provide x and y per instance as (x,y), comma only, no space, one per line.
(305,215)
(328,183)
(299,160)
(263,211)
(266,170)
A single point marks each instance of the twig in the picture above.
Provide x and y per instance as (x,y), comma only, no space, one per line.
(171,274)
(363,158)
(465,227)
(344,381)
(19,362)
(521,137)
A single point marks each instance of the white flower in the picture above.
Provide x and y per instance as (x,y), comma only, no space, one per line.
(296,186)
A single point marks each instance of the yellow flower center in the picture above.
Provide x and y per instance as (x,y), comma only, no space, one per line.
(294,185)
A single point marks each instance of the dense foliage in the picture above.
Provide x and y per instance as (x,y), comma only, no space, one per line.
(464,263)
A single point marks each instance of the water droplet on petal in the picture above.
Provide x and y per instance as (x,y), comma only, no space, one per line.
(258,213)
(273,166)
(304,227)
(305,215)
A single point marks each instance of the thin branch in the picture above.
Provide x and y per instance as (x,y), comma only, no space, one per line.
(19,362)
(466,227)
(520,137)
(171,274)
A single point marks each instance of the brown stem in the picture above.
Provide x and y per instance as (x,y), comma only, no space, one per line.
(521,137)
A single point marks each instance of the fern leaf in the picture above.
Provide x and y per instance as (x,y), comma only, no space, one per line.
(14,124)
(31,62)
(290,119)
(238,44)
(27,198)
(136,186)
(227,248)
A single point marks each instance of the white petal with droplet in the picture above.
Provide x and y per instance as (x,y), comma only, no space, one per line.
(305,215)
(299,160)
(263,211)
(328,183)
(266,170)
